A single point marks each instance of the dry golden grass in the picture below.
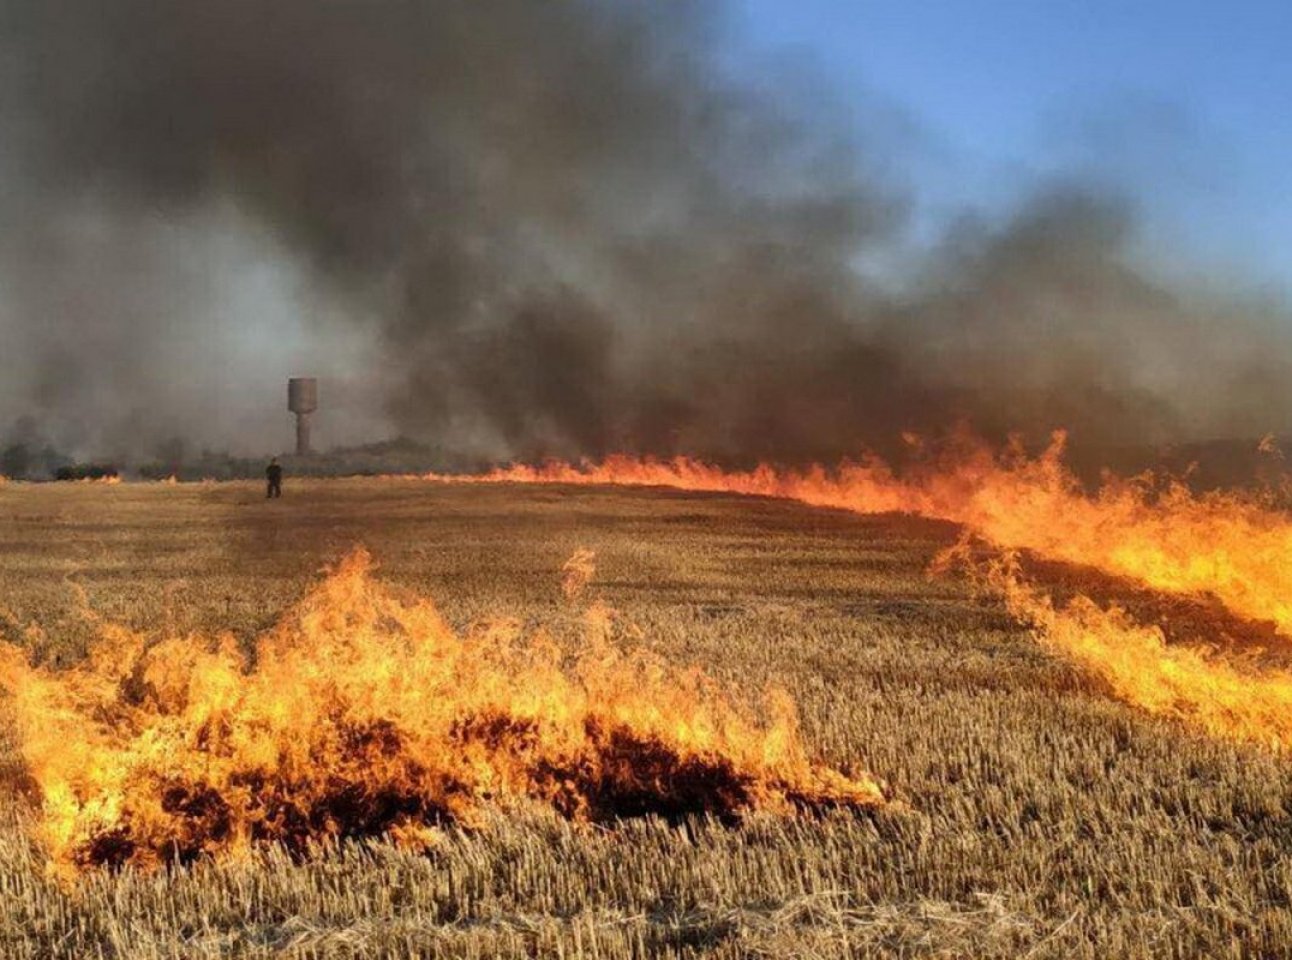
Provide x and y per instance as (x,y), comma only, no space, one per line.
(1037,817)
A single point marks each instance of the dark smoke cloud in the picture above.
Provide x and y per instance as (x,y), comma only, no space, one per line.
(537,227)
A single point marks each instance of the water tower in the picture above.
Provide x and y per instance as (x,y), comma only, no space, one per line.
(302,400)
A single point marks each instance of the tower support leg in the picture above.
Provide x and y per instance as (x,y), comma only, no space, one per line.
(302,434)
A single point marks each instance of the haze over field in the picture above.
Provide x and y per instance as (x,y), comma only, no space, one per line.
(524,229)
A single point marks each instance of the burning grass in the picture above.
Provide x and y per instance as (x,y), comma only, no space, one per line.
(1036,814)
(363,713)
(1201,686)
(1231,545)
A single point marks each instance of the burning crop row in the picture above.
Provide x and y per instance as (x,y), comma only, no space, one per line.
(1230,546)
(363,713)
(1139,666)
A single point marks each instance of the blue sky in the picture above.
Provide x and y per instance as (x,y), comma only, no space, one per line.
(1184,106)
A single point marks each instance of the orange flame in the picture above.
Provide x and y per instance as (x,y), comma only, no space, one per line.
(1230,545)
(363,713)
(1134,659)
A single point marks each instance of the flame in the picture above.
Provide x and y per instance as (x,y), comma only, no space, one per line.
(1228,544)
(1231,546)
(1194,687)
(364,713)
(577,573)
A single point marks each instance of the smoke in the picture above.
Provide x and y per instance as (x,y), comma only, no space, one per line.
(529,227)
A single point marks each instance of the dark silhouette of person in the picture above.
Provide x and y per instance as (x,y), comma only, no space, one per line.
(274,474)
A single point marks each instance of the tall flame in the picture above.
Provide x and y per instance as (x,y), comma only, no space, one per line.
(364,713)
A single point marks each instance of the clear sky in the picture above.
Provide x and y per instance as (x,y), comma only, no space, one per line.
(1184,105)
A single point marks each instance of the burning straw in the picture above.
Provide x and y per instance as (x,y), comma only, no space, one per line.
(363,713)
(1232,546)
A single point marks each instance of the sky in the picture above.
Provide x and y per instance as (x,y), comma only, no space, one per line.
(1184,106)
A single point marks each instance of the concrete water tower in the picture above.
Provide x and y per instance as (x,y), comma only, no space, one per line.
(302,400)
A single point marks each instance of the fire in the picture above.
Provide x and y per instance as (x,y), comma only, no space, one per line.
(363,713)
(577,573)
(1230,545)
(1134,659)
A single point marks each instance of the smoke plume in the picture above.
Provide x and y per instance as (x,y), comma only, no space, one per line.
(529,227)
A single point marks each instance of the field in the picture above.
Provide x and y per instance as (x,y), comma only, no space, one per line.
(1032,814)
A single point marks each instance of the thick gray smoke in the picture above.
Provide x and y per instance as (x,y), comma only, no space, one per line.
(534,227)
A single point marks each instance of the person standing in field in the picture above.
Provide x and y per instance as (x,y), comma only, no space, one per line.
(274,474)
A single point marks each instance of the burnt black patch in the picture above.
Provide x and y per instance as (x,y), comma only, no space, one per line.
(374,786)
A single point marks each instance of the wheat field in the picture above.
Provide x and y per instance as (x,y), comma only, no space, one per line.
(1032,815)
